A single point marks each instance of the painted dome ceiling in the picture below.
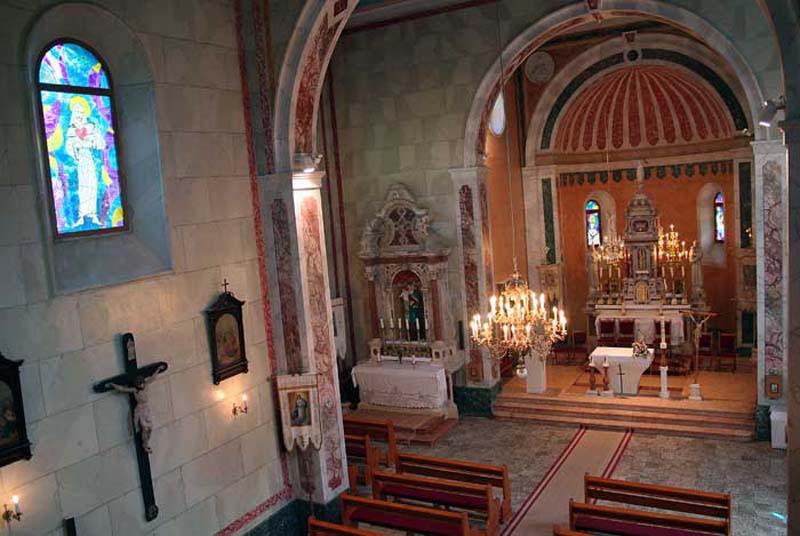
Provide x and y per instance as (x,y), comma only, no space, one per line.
(643,106)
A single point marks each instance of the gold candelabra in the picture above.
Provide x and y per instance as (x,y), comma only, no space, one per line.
(519,322)
(611,252)
(671,249)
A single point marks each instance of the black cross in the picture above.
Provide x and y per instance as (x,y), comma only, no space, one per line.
(128,379)
(225,285)
(621,374)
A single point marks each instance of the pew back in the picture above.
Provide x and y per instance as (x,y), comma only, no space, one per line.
(474,473)
(359,447)
(377,430)
(323,528)
(613,520)
(403,517)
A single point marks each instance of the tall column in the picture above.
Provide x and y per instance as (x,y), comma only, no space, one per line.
(477,279)
(791,128)
(294,233)
(541,217)
(771,257)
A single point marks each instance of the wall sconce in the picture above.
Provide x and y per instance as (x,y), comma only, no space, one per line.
(14,514)
(769,109)
(240,408)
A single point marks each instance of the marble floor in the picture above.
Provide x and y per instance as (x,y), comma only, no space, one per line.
(753,473)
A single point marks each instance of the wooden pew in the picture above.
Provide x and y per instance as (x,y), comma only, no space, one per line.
(685,501)
(323,528)
(403,517)
(359,447)
(625,522)
(476,498)
(473,473)
(377,430)
(564,532)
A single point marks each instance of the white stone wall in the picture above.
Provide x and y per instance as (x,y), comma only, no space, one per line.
(209,467)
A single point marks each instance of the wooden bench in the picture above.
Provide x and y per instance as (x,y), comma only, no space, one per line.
(625,522)
(403,517)
(685,501)
(473,473)
(476,498)
(359,448)
(323,528)
(377,430)
(564,532)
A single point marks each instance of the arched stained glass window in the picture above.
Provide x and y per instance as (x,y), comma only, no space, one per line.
(719,218)
(593,226)
(79,128)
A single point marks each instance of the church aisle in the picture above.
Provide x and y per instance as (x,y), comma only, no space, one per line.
(592,451)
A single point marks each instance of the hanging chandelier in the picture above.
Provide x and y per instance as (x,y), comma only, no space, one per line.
(610,252)
(671,249)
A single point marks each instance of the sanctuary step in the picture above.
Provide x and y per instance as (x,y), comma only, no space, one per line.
(669,418)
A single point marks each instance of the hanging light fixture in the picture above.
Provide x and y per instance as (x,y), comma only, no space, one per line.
(519,320)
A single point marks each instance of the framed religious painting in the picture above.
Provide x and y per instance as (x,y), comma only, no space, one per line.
(298,396)
(14,444)
(226,337)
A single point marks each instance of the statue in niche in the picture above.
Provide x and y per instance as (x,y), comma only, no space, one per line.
(413,311)
(642,254)
(696,258)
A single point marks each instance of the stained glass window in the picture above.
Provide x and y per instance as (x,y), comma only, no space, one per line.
(77,113)
(593,226)
(719,218)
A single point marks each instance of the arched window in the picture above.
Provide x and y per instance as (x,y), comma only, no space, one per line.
(719,218)
(497,119)
(76,102)
(594,229)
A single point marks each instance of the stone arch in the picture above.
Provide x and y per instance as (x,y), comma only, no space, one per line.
(542,30)
(308,54)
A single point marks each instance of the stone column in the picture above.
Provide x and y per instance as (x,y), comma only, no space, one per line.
(791,128)
(304,342)
(769,170)
(541,216)
(477,279)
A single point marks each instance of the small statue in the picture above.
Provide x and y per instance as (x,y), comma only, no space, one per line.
(698,291)
(640,347)
(142,417)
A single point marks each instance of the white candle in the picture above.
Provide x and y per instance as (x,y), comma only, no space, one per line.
(683,271)
(391,322)
(406,324)
(493,303)
(382,326)
(555,313)
(417,324)
(426,324)
(662,328)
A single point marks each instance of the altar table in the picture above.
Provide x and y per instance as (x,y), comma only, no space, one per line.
(404,385)
(632,367)
(646,322)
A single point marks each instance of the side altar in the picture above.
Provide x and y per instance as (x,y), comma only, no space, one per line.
(413,346)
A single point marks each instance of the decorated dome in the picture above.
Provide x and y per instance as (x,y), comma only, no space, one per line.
(643,106)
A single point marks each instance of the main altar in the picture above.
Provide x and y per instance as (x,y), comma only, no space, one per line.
(412,350)
(648,276)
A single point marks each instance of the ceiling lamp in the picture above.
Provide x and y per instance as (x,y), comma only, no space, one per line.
(769,109)
(518,321)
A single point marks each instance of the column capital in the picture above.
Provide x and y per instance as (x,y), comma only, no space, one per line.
(307,180)
(768,148)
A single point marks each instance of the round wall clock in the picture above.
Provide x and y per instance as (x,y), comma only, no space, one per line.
(539,67)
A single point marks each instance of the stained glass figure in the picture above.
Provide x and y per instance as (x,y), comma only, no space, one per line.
(593,226)
(719,218)
(77,104)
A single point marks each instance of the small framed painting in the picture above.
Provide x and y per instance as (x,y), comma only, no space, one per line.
(774,386)
(14,444)
(299,402)
(226,337)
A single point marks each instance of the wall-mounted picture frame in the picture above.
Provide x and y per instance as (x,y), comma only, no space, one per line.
(774,386)
(14,443)
(226,337)
(298,396)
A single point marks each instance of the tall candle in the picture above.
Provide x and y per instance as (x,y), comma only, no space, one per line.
(417,325)
(683,271)
(662,328)
(406,324)
(382,326)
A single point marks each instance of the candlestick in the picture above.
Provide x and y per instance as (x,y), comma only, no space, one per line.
(382,326)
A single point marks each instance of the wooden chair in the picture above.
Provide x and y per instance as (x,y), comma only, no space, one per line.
(607,335)
(685,501)
(706,348)
(323,528)
(359,448)
(403,517)
(627,332)
(580,346)
(727,349)
(377,430)
(475,498)
(460,471)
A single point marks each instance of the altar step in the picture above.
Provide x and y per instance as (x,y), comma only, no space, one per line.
(735,425)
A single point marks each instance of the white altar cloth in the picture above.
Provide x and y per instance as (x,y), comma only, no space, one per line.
(401,384)
(646,322)
(632,367)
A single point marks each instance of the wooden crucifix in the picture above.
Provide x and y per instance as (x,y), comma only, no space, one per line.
(134,382)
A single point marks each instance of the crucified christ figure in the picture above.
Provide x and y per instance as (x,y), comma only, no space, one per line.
(142,418)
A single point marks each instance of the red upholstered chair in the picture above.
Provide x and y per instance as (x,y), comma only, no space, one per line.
(607,335)
(727,349)
(580,347)
(706,348)
(627,332)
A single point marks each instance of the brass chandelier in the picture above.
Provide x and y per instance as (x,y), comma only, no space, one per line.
(671,249)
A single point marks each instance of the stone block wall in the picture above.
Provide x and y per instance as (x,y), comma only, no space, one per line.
(209,468)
